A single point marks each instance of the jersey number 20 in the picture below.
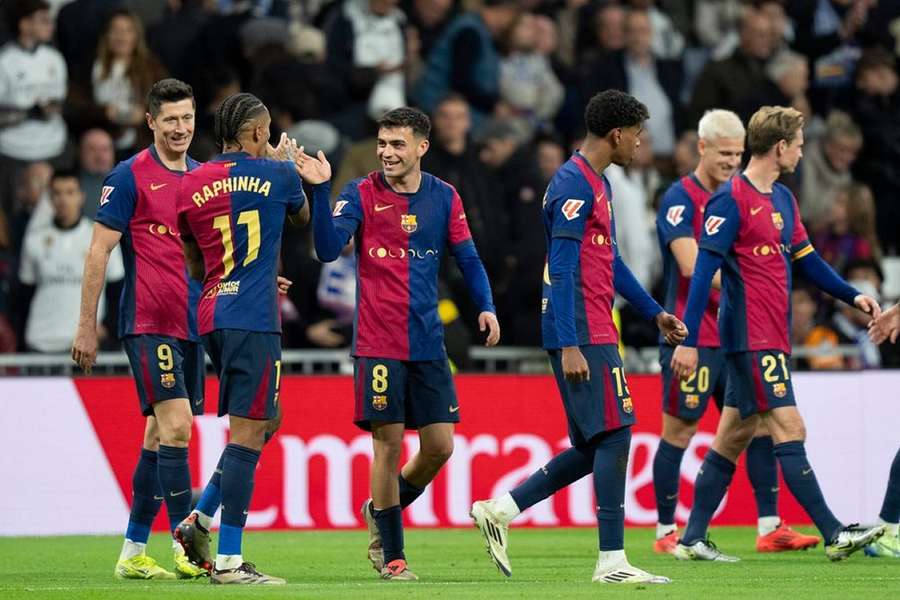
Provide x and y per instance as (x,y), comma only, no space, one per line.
(250,218)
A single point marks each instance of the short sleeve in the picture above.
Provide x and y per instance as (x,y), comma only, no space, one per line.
(800,244)
(118,197)
(722,223)
(296,197)
(61,83)
(675,218)
(458,227)
(568,205)
(28,266)
(347,212)
(115,268)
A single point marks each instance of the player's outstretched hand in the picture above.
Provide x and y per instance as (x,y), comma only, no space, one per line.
(487,321)
(868,305)
(84,348)
(284,284)
(313,169)
(574,366)
(886,326)
(684,361)
(673,330)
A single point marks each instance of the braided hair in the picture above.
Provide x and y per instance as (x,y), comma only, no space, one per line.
(235,111)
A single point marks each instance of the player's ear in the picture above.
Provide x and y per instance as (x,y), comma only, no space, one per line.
(424,145)
(616,137)
(149,118)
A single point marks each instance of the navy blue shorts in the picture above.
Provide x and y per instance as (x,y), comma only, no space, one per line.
(688,399)
(248,364)
(415,393)
(601,404)
(166,368)
(758,381)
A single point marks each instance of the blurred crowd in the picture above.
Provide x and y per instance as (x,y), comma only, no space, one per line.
(505,84)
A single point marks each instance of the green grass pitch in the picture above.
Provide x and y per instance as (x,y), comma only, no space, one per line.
(547,563)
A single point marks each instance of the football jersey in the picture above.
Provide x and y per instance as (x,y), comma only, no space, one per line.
(758,235)
(234,207)
(158,295)
(577,205)
(680,216)
(400,240)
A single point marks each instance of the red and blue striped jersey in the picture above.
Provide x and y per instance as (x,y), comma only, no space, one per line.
(234,207)
(680,216)
(578,206)
(400,240)
(138,200)
(758,235)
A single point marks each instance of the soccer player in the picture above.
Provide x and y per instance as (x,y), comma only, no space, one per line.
(885,327)
(752,231)
(231,213)
(583,273)
(402,220)
(678,227)
(157,320)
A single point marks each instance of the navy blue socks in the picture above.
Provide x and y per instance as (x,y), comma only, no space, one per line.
(238,470)
(610,466)
(147,497)
(408,492)
(709,488)
(175,480)
(890,509)
(390,526)
(763,472)
(802,482)
(563,469)
(666,476)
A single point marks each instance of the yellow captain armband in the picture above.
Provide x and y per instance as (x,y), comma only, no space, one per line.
(803,252)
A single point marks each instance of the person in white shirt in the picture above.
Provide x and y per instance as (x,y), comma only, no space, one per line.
(51,266)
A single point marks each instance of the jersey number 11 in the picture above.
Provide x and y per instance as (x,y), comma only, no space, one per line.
(250,218)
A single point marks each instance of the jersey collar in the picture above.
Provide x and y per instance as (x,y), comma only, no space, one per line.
(226,156)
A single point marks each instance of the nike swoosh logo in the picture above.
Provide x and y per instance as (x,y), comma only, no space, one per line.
(380,207)
(753,211)
(672,497)
(454,409)
(807,471)
(173,494)
(155,497)
(157,186)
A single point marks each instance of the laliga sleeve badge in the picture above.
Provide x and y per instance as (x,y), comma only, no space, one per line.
(167,380)
(779,389)
(379,402)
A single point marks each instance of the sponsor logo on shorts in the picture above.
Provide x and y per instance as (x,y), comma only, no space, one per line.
(379,402)
(627,406)
(408,223)
(779,389)
(454,409)
(167,380)
(692,400)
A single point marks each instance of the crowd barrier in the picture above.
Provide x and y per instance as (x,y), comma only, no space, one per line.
(68,447)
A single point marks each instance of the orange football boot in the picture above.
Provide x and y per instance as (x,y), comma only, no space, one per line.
(666,544)
(785,539)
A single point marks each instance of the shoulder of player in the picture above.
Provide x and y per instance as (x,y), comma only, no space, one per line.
(783,190)
(437,185)
(675,194)
(351,188)
(568,185)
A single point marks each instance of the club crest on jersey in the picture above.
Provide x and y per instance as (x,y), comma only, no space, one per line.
(379,402)
(713,224)
(779,389)
(408,223)
(627,405)
(167,380)
(674,215)
(777,221)
(338,207)
(104,194)
(692,400)
(571,207)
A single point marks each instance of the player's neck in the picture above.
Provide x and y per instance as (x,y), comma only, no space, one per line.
(407,184)
(708,183)
(175,161)
(596,153)
(762,173)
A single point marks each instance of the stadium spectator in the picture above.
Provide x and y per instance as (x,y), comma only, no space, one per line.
(78,27)
(551,155)
(826,166)
(849,234)
(609,30)
(803,322)
(96,158)
(685,157)
(33,82)
(465,59)
(667,43)
(654,82)
(32,206)
(738,82)
(426,21)
(50,269)
(170,38)
(789,73)
(715,21)
(876,108)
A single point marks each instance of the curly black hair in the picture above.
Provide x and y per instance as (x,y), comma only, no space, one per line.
(405,116)
(612,109)
(234,112)
(167,90)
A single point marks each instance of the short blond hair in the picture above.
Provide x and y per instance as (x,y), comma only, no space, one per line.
(720,123)
(771,124)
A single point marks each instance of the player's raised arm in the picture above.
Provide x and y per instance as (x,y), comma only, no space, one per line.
(329,237)
(103,242)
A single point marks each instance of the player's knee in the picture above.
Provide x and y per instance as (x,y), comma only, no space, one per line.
(679,433)
(178,433)
(388,452)
(439,453)
(273,425)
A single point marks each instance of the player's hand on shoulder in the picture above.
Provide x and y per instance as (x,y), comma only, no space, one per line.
(487,321)
(313,169)
(574,366)
(885,326)
(868,305)
(673,330)
(84,348)
(684,361)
